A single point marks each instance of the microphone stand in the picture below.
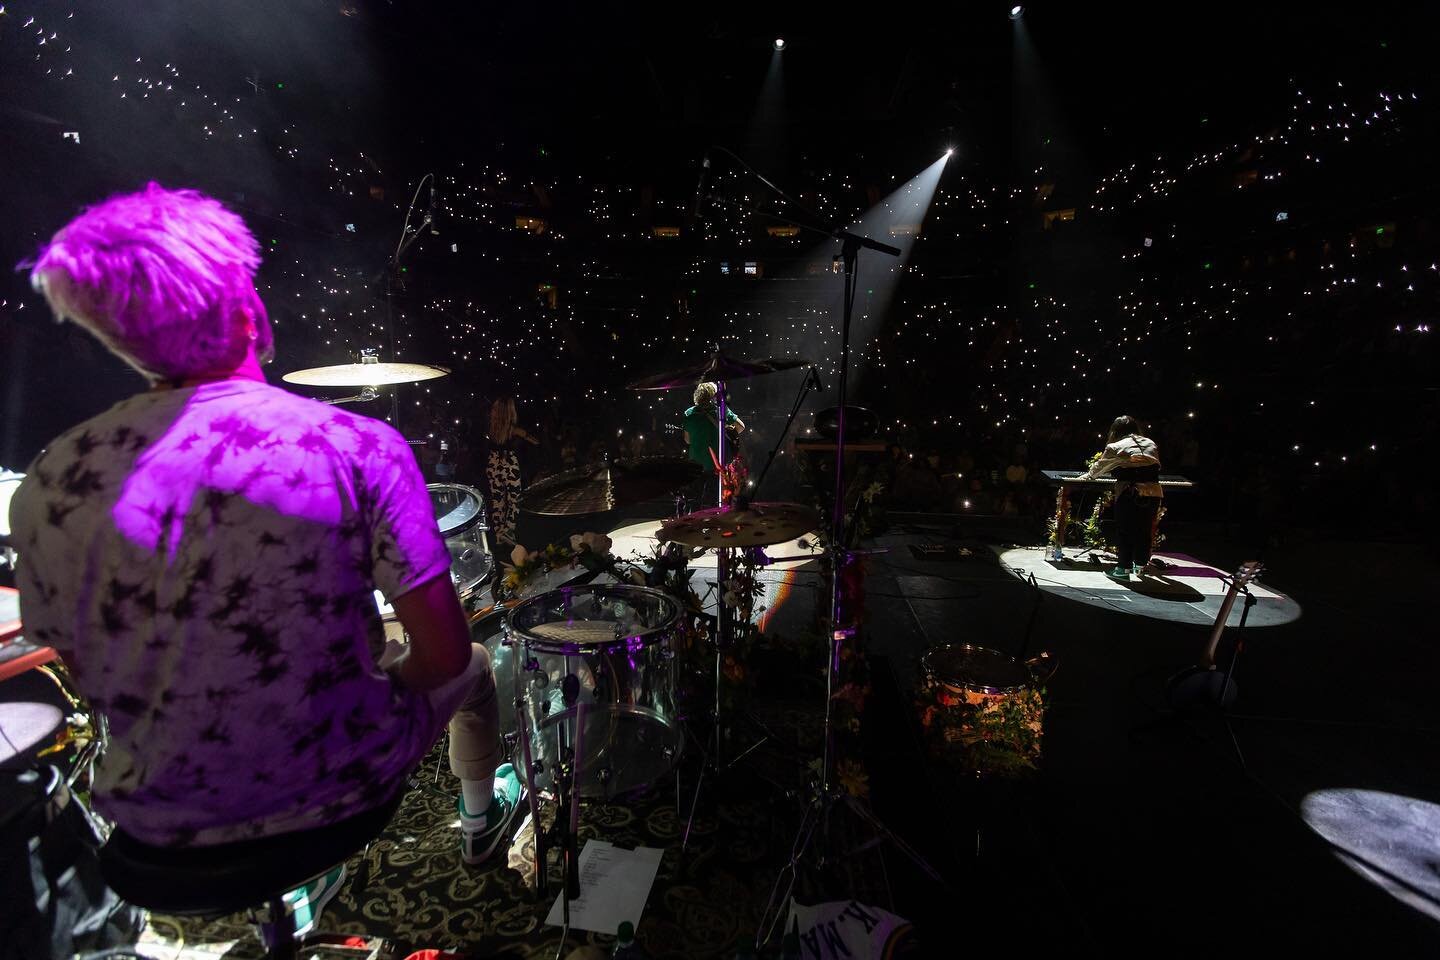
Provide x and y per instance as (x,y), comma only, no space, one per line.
(826,796)
(812,382)
(392,271)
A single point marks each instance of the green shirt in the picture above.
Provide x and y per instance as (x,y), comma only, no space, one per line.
(700,427)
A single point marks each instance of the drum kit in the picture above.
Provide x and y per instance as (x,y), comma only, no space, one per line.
(598,712)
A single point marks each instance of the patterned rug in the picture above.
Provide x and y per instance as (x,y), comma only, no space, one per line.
(412,887)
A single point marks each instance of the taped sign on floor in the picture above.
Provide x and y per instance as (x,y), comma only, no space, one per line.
(846,929)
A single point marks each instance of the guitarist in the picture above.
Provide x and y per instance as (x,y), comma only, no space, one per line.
(1134,461)
(701,426)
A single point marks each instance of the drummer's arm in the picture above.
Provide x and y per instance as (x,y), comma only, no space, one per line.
(439,648)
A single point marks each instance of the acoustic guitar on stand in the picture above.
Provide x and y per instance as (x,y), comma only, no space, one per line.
(1204,682)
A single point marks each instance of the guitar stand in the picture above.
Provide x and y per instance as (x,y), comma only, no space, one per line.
(1250,601)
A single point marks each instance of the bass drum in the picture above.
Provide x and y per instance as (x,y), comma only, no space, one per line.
(460,514)
(608,647)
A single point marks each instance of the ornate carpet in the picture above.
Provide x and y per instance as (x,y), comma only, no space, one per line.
(412,887)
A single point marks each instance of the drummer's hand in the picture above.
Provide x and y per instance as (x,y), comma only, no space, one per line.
(439,647)
(393,651)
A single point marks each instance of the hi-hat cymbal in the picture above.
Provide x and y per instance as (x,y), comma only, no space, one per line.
(757,525)
(365,374)
(597,487)
(717,366)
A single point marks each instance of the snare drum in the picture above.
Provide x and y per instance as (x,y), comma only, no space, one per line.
(610,647)
(460,512)
(986,701)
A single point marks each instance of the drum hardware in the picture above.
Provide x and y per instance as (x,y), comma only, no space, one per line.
(748,525)
(460,515)
(51,718)
(825,794)
(610,648)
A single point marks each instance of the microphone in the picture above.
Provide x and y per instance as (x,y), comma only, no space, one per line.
(700,185)
(815,378)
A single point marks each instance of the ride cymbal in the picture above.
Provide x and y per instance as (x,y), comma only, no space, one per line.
(756,525)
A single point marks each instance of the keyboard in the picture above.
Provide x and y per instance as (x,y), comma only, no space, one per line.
(1071,478)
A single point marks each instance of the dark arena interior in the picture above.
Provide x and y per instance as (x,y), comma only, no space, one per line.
(678,481)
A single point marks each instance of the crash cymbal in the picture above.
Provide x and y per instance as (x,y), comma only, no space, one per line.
(756,525)
(604,486)
(717,366)
(365,374)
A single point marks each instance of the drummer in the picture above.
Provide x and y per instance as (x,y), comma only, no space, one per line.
(231,534)
(702,434)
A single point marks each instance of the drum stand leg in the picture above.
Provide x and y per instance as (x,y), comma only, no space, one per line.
(713,761)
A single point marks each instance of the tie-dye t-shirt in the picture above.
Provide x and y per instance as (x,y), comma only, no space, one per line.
(209,555)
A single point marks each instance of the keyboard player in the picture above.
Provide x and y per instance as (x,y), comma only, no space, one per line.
(1133,460)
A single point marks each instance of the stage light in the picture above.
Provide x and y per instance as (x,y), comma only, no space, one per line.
(1016,12)
(949,151)
(779,43)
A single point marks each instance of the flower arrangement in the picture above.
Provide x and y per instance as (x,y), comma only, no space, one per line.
(589,550)
(993,735)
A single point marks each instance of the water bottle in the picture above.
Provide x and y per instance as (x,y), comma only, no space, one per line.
(625,945)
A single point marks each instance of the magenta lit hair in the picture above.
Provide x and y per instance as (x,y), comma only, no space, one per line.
(160,276)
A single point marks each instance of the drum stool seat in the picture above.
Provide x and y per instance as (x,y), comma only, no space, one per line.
(213,881)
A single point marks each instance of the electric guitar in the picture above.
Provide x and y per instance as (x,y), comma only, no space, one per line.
(1203,682)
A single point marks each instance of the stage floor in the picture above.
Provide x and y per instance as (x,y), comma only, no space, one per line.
(1185,590)
(1135,805)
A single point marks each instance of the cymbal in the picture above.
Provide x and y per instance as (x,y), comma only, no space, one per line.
(597,487)
(758,525)
(365,374)
(717,366)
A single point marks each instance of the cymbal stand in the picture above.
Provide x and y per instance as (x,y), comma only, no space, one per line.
(826,796)
(817,814)
(567,814)
(724,636)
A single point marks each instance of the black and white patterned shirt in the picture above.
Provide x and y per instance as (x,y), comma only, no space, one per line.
(208,556)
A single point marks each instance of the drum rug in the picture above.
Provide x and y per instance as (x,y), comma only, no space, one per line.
(411,886)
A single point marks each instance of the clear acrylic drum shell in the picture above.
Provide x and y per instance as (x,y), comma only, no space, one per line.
(559,622)
(458,508)
(632,734)
(460,514)
(969,672)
